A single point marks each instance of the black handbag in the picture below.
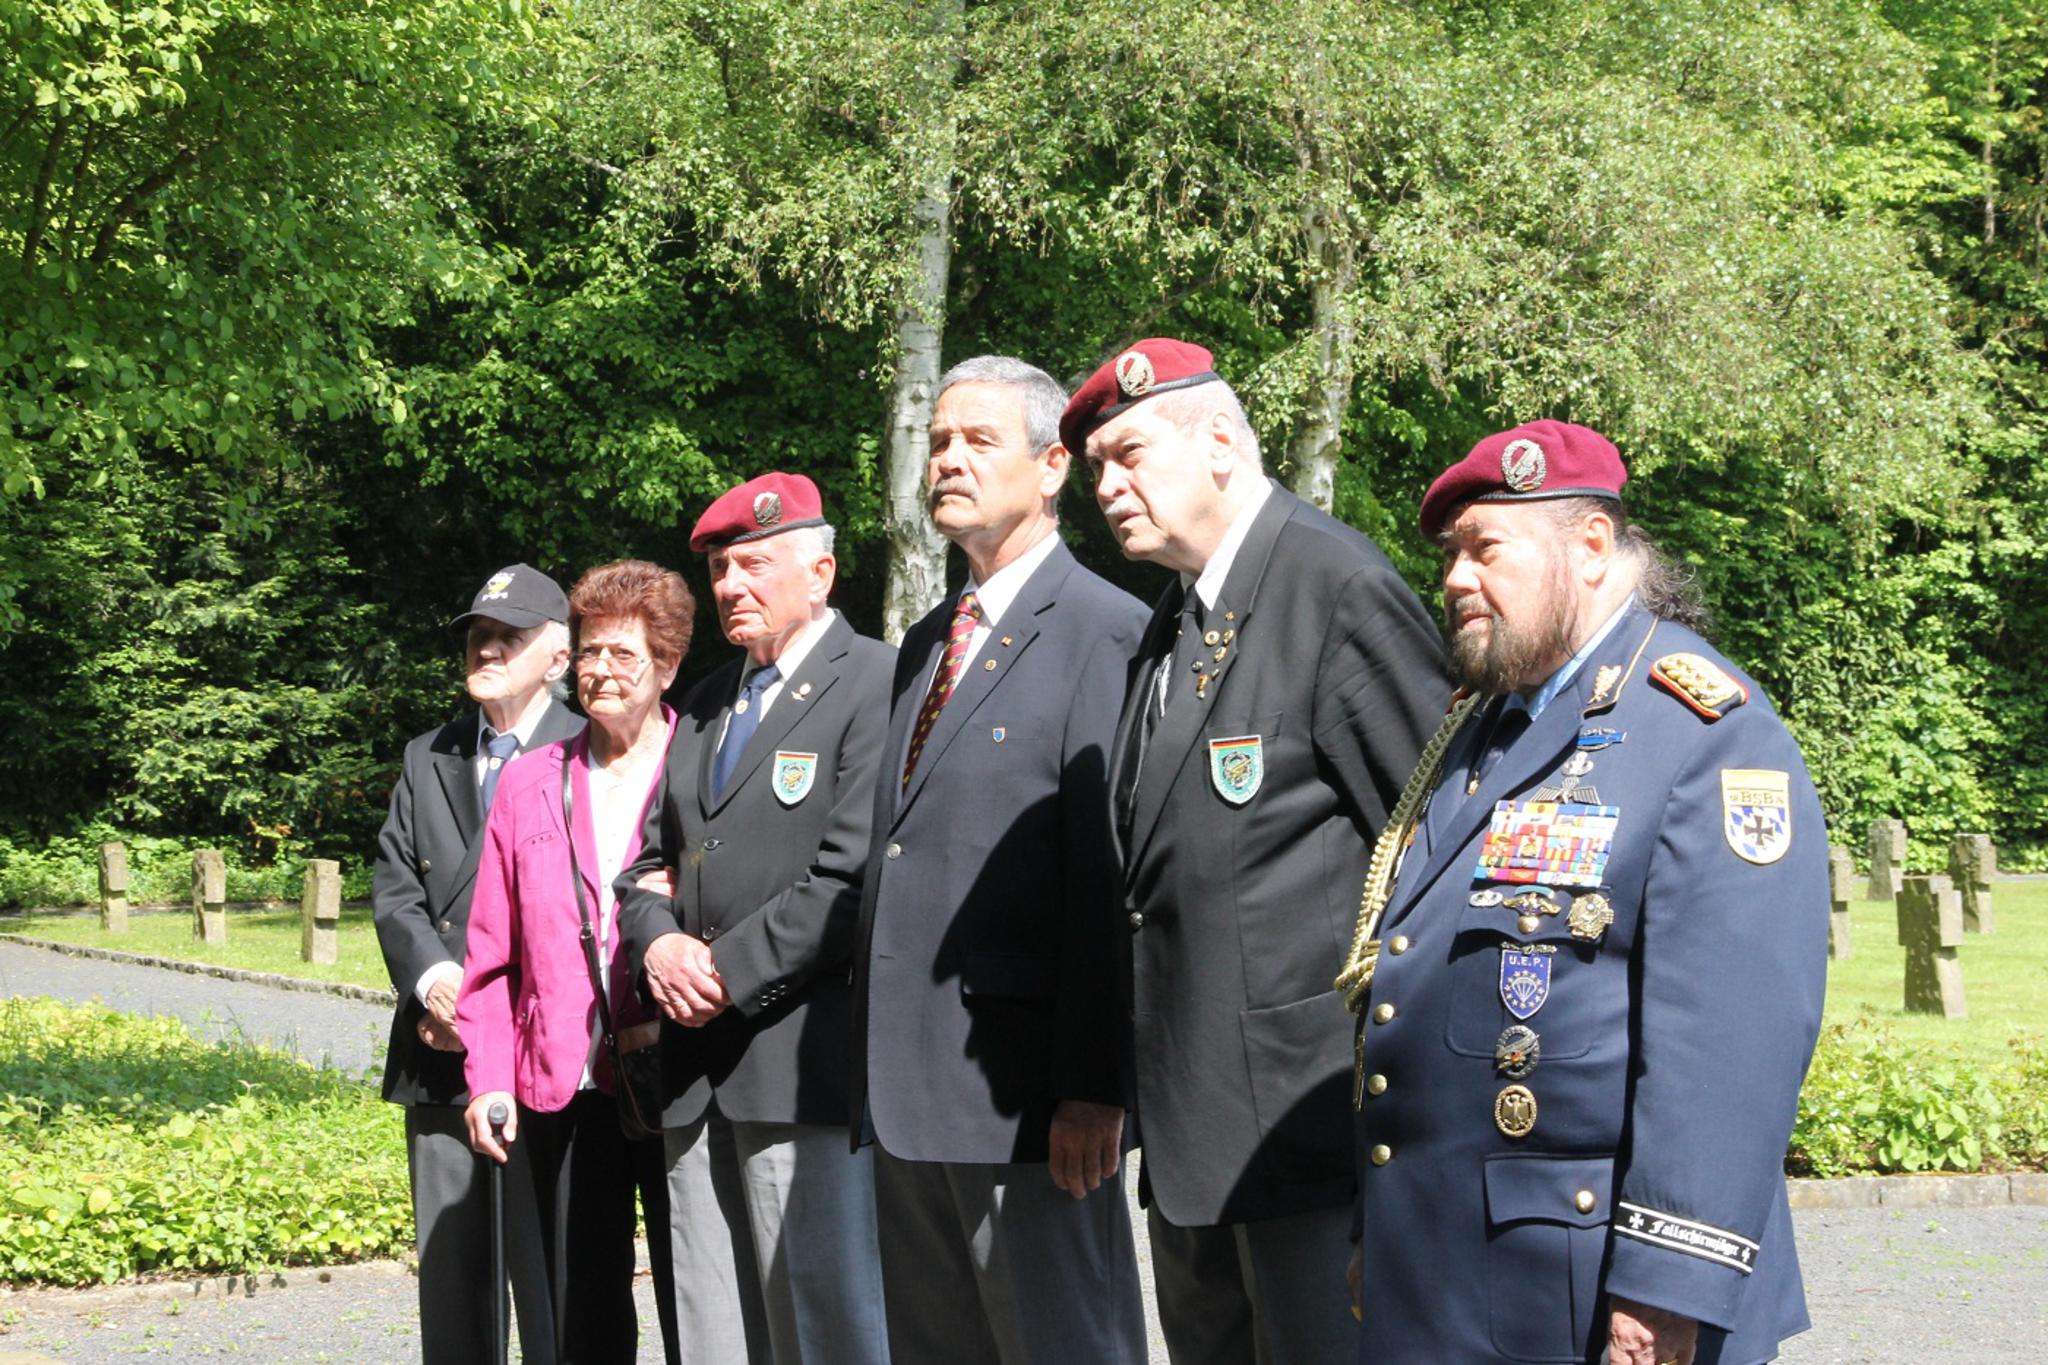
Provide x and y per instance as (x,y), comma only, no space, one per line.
(636,1060)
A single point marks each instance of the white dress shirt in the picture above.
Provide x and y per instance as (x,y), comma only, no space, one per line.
(786,665)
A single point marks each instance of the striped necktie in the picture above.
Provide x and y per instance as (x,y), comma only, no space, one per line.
(943,678)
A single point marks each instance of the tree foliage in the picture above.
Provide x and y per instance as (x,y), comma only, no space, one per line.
(431,285)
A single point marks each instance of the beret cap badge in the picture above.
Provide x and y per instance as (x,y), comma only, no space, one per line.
(1523,465)
(1134,374)
(768,510)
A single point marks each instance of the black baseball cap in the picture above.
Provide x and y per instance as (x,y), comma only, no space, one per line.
(518,595)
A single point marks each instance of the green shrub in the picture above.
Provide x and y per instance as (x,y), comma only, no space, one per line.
(1872,1104)
(65,871)
(131,1147)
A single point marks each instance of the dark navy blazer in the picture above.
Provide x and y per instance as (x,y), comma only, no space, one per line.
(1671,1049)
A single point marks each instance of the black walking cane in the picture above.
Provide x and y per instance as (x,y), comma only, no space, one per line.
(500,1308)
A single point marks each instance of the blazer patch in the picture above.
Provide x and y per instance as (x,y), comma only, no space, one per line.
(1236,767)
(794,775)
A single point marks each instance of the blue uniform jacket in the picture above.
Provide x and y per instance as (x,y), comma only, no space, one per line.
(1671,1043)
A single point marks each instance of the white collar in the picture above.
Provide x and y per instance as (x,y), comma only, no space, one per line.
(996,595)
(795,652)
(1209,585)
(528,723)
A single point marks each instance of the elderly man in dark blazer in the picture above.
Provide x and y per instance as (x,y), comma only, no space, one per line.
(1284,688)
(990,1047)
(764,822)
(516,643)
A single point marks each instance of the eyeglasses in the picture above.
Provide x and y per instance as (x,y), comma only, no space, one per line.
(623,662)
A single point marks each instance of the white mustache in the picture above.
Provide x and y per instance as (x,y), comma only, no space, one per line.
(1124,507)
(953,485)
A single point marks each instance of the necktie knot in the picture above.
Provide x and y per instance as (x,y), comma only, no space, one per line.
(968,609)
(500,746)
(761,679)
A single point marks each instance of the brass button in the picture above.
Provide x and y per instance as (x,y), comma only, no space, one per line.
(1528,924)
(1137,919)
(1399,945)
(1382,1154)
(426,866)
(1584,1201)
(1375,1084)
(1382,1013)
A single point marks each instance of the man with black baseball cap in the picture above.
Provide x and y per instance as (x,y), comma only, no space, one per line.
(516,649)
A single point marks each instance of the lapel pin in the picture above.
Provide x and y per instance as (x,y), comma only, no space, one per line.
(998,733)
(803,691)
(1212,637)
(989,666)
(1006,640)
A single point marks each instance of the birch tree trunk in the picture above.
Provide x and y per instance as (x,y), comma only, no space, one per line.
(917,553)
(1318,436)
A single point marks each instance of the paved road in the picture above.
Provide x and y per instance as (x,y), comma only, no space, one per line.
(1885,1285)
(344,1033)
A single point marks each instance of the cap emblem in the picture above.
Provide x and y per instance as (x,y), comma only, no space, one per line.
(768,510)
(496,587)
(1523,465)
(1134,374)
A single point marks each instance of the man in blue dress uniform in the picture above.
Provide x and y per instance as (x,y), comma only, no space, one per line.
(1591,958)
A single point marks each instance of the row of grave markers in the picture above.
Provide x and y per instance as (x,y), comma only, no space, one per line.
(1934,911)
(320,909)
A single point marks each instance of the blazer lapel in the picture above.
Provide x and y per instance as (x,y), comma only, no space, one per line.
(1166,758)
(456,769)
(1539,750)
(908,704)
(1156,645)
(986,670)
(800,693)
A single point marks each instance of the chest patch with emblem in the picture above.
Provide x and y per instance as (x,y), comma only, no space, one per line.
(1236,767)
(794,775)
(1562,843)
(1524,981)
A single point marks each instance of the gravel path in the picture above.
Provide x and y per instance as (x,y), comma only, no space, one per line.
(346,1033)
(1885,1285)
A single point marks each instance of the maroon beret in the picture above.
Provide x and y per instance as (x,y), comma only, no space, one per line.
(1534,461)
(758,508)
(1154,365)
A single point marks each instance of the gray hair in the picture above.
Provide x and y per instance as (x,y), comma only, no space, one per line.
(1667,589)
(1044,399)
(816,541)
(1191,409)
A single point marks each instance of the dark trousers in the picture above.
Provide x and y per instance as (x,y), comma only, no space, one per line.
(584,1177)
(451,1207)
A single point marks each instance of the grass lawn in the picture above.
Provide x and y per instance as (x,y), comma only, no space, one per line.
(258,940)
(2004,976)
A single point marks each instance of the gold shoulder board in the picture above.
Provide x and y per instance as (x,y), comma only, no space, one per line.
(1700,683)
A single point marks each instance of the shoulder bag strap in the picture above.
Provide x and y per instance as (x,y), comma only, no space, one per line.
(588,934)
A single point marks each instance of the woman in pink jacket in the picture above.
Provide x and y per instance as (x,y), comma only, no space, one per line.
(528,1012)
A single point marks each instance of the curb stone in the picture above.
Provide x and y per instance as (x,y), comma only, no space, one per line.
(1920,1191)
(346,991)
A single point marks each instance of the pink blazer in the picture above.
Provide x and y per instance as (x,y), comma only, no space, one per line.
(527,1011)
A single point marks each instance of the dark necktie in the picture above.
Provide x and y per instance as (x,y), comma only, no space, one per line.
(944,677)
(1172,681)
(740,727)
(1507,728)
(500,748)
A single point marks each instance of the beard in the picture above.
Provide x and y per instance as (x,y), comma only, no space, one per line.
(1514,654)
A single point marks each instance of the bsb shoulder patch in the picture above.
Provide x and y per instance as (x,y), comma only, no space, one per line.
(1700,683)
(1756,813)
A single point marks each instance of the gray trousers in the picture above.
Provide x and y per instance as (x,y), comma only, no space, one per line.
(774,1245)
(994,1263)
(451,1210)
(1271,1292)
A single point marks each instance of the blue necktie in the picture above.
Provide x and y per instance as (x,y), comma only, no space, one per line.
(746,718)
(500,748)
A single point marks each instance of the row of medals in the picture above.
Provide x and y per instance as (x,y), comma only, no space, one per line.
(1516,1051)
